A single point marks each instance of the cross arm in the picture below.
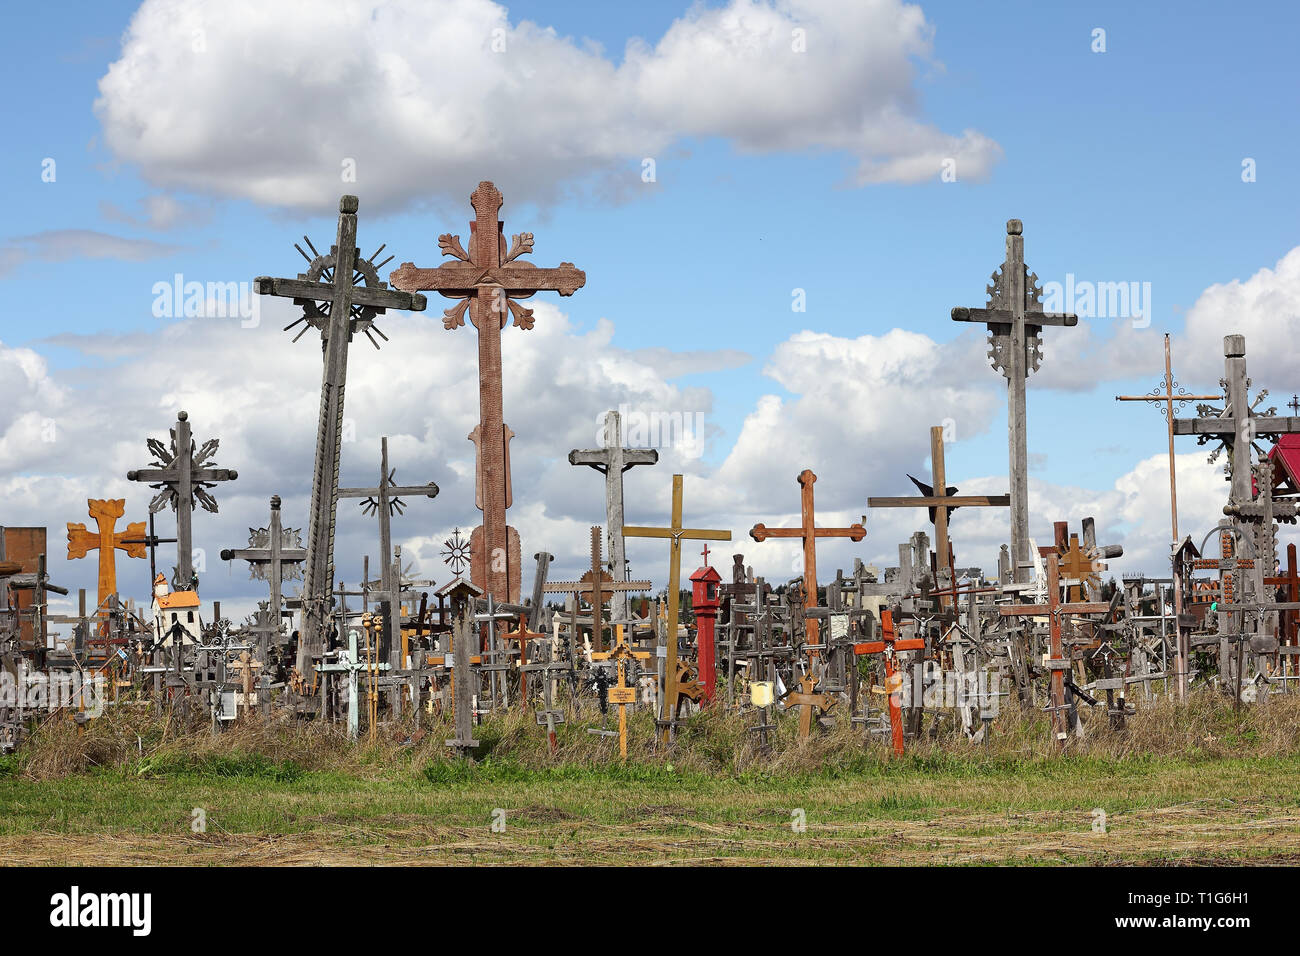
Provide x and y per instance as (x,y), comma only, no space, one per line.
(262,554)
(1003,317)
(694,534)
(1038,610)
(760,532)
(378,298)
(878,647)
(1263,425)
(938,501)
(80,541)
(429,491)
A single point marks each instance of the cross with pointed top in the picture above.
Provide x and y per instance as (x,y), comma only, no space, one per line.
(488,279)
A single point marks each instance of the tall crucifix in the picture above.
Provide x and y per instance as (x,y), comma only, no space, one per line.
(340,294)
(384,500)
(809,532)
(274,554)
(1015,320)
(612,460)
(182,476)
(940,498)
(106,541)
(1171,401)
(674,533)
(488,279)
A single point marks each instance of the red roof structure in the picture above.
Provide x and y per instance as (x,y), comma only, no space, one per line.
(1285,456)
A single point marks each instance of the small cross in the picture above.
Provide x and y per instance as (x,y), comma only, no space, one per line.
(1294,404)
(706,554)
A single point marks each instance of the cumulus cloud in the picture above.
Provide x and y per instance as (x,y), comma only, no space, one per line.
(273,102)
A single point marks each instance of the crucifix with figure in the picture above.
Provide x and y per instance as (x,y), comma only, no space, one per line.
(341,294)
(489,279)
(674,533)
(384,500)
(941,499)
(612,460)
(888,647)
(274,554)
(106,541)
(809,533)
(182,476)
(1015,320)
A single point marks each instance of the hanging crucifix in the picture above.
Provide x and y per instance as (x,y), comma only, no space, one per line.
(489,279)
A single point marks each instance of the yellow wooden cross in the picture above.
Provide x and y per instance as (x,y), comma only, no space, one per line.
(621,693)
(106,540)
(675,534)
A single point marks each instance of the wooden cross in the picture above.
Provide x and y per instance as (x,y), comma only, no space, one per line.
(489,280)
(1015,319)
(106,541)
(1289,629)
(523,636)
(674,533)
(806,700)
(809,532)
(352,663)
(612,460)
(340,294)
(940,498)
(182,476)
(621,693)
(385,501)
(1056,662)
(889,645)
(274,554)
(597,586)
(461,594)
(1171,401)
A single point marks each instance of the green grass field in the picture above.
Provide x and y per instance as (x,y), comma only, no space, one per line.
(1221,790)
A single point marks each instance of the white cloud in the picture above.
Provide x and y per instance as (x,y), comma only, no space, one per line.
(269,102)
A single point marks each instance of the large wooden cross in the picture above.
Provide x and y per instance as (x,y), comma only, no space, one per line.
(888,646)
(340,294)
(489,279)
(384,499)
(809,532)
(106,541)
(612,460)
(1015,320)
(597,585)
(941,500)
(274,554)
(674,533)
(182,475)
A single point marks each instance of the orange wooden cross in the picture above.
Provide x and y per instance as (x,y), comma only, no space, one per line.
(805,699)
(809,532)
(889,645)
(106,540)
(621,694)
(488,280)
(523,636)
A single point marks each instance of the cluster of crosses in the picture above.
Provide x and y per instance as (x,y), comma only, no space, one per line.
(887,650)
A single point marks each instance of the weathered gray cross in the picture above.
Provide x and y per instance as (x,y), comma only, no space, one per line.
(1015,320)
(612,460)
(340,294)
(384,500)
(274,554)
(182,476)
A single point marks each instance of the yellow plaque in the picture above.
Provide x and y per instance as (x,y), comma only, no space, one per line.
(622,695)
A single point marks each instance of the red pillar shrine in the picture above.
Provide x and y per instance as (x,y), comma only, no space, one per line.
(704,602)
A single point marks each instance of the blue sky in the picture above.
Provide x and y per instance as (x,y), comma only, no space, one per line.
(1124,166)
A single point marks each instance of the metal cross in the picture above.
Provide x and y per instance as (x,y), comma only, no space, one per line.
(274,554)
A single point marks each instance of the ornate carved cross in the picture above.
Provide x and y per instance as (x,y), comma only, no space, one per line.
(182,476)
(489,280)
(274,554)
(340,294)
(809,532)
(1015,320)
(106,540)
